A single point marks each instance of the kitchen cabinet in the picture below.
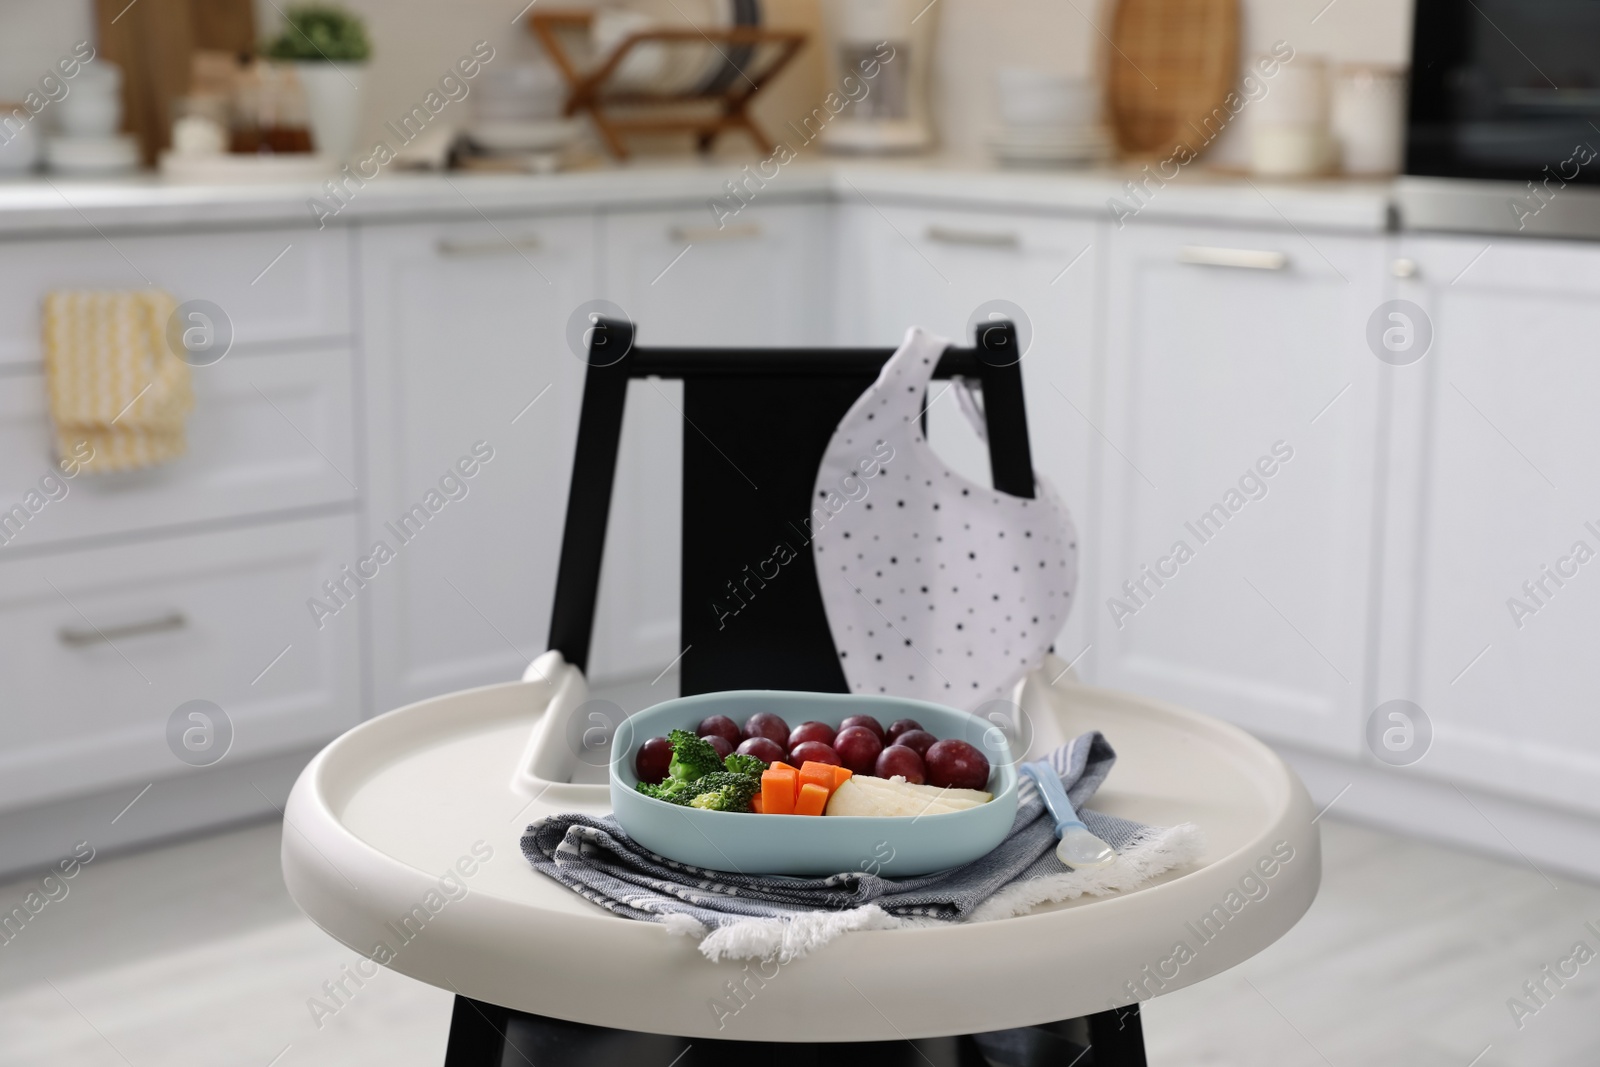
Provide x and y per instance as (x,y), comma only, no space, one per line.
(1492,610)
(100,647)
(763,278)
(915,265)
(1240,424)
(1357,528)
(467,368)
(270,431)
(126,595)
(463,319)
(274,286)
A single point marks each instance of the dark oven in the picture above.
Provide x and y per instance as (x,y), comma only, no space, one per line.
(1506,89)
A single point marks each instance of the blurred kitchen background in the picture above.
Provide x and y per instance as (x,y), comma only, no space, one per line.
(1229,242)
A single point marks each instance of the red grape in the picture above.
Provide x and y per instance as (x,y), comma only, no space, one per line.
(814,752)
(723,746)
(866,721)
(762,748)
(765,724)
(898,759)
(811,731)
(720,726)
(918,741)
(652,760)
(858,748)
(898,727)
(956,765)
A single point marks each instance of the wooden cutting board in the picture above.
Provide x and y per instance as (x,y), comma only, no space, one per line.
(1168,65)
(152,41)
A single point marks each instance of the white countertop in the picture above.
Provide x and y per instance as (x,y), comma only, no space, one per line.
(41,205)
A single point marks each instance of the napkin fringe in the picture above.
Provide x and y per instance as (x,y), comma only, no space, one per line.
(790,938)
(787,939)
(1153,853)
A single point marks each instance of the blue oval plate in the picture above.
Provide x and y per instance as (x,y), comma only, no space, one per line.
(810,844)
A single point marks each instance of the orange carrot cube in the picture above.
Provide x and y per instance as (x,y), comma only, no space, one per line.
(817,774)
(813,798)
(779,789)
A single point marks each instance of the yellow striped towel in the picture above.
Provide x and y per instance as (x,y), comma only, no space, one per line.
(113,381)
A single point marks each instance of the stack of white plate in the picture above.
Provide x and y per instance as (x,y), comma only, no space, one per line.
(517,116)
(90,116)
(525,91)
(1048,120)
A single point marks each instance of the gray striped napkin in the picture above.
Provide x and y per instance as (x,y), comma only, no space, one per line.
(750,916)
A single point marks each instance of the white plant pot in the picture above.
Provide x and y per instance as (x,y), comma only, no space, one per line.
(334,99)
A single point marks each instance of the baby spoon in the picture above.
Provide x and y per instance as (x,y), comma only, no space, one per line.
(1078,847)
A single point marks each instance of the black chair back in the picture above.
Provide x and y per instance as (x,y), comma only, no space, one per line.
(756,422)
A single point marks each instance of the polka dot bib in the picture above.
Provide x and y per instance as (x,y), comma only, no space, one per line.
(935,587)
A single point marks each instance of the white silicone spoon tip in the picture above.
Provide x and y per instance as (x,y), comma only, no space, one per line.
(1080,848)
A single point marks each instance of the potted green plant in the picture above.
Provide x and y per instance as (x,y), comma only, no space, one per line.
(328,47)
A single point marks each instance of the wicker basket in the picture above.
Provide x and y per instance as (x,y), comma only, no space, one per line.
(1168,66)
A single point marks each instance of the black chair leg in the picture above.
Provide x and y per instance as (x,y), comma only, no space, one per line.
(477,1034)
(1117,1037)
(481,1034)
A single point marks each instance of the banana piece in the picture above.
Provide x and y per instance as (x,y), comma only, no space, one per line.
(868,796)
(976,796)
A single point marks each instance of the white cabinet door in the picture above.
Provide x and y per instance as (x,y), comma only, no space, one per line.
(465,352)
(1236,523)
(274,286)
(270,431)
(1491,620)
(906,266)
(763,279)
(760,279)
(100,648)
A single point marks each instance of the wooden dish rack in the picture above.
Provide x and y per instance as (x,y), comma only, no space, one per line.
(586,89)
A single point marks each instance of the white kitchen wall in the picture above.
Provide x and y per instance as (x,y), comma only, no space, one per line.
(414,41)
(33,34)
(978,36)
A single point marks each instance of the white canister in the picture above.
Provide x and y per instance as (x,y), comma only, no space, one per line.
(1301,151)
(1369,105)
(1289,136)
(1296,96)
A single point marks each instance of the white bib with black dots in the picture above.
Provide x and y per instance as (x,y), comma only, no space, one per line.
(935,587)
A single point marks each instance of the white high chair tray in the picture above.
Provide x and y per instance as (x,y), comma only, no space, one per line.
(446,785)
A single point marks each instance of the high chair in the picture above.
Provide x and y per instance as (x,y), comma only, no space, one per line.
(401,837)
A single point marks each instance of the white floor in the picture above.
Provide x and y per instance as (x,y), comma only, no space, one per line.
(193,955)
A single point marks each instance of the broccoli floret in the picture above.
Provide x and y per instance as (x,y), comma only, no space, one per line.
(672,790)
(725,791)
(692,757)
(742,764)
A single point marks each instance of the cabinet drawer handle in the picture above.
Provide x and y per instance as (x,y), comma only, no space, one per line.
(980,238)
(739,231)
(76,638)
(469,249)
(1238,258)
